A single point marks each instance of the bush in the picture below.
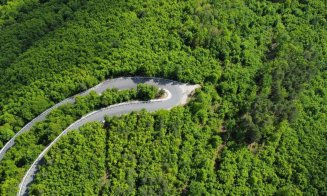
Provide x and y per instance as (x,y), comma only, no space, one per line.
(146,92)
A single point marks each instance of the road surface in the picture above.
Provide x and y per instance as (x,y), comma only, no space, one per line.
(177,94)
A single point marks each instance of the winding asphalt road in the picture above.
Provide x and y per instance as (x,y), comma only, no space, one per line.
(177,94)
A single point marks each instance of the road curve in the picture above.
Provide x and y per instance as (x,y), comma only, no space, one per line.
(120,83)
(177,94)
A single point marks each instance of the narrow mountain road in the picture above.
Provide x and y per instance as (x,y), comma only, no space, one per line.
(177,94)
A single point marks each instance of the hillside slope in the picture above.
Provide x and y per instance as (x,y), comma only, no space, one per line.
(262,65)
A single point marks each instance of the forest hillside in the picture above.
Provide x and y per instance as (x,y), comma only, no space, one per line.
(257,126)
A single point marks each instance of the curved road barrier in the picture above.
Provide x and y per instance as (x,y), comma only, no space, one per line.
(177,94)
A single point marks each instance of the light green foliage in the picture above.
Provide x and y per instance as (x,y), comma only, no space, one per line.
(261,65)
(29,145)
(147,92)
(142,156)
(6,133)
(77,160)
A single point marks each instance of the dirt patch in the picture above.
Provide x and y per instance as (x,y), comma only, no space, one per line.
(188,90)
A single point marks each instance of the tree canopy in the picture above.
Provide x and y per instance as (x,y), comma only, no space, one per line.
(257,125)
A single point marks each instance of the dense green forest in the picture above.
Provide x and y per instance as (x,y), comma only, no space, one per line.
(91,142)
(31,143)
(257,126)
(170,153)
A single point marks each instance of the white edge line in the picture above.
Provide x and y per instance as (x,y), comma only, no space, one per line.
(41,155)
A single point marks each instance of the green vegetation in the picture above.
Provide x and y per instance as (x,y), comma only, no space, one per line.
(147,92)
(168,152)
(89,142)
(141,157)
(31,143)
(262,65)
